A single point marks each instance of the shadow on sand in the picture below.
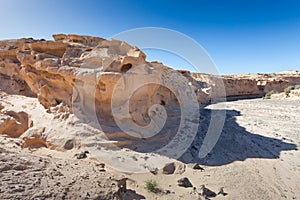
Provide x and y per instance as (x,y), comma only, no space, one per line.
(234,144)
(132,195)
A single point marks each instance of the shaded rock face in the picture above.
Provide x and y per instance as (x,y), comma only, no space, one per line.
(15,86)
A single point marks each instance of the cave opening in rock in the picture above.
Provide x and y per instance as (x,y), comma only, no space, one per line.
(126,67)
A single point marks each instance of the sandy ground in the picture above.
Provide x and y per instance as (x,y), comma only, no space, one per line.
(256,157)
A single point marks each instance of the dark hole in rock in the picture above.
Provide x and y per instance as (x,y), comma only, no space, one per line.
(162,102)
(58,101)
(126,67)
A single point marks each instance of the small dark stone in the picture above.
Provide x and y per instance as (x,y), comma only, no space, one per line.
(198,167)
(169,168)
(167,192)
(69,145)
(184,182)
(101,165)
(222,192)
(81,155)
(153,171)
(204,191)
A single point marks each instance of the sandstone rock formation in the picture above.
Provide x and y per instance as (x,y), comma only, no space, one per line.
(54,70)
(51,69)
(90,75)
(13,124)
(250,86)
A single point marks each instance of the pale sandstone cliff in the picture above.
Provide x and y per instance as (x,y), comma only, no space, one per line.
(50,69)
(82,74)
(254,85)
(55,70)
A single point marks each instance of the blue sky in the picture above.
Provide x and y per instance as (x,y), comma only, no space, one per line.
(240,36)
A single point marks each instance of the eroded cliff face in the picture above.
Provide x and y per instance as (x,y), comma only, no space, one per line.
(250,86)
(72,66)
(50,68)
(91,75)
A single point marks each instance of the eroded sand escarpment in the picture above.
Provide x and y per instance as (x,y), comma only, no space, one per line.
(252,85)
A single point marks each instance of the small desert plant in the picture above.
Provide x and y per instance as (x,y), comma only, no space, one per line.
(297,87)
(152,186)
(268,95)
(288,89)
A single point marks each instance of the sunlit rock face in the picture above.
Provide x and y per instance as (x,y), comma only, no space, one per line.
(88,72)
(247,86)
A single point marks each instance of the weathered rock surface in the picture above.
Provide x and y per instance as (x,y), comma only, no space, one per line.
(54,70)
(76,66)
(249,86)
(90,75)
(13,124)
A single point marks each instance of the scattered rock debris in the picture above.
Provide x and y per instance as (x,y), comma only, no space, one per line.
(184,182)
(81,155)
(205,192)
(198,167)
(169,168)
